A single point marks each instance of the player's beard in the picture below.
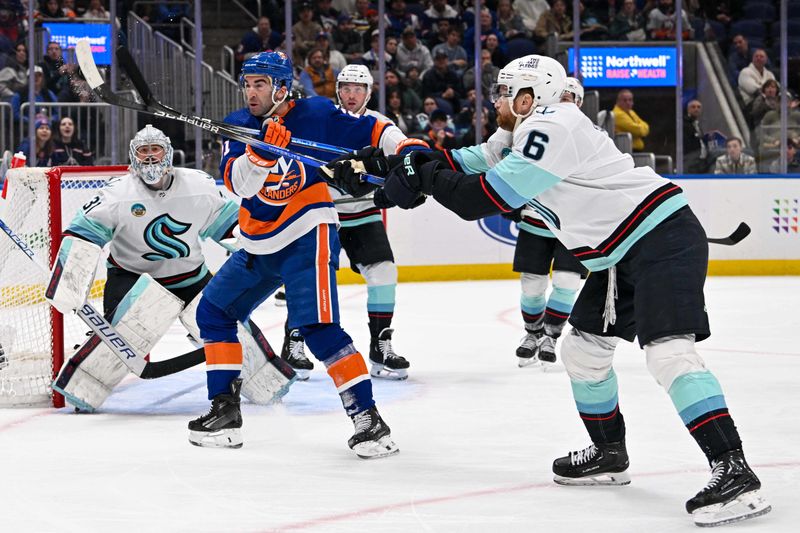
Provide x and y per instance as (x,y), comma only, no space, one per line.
(506,120)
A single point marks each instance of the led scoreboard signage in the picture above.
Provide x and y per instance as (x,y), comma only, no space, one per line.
(627,66)
(67,34)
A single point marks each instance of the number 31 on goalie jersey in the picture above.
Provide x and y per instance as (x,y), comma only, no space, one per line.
(534,147)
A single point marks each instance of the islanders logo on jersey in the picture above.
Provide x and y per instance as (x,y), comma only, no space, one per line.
(284,179)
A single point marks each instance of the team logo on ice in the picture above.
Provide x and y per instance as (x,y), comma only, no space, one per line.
(138,210)
(286,178)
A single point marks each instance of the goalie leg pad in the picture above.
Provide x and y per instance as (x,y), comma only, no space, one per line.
(142,317)
(266,378)
(188,318)
(72,274)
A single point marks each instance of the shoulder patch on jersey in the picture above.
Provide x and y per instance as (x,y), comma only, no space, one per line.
(138,210)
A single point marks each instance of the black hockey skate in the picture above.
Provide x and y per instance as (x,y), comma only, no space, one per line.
(372,438)
(529,348)
(385,362)
(547,349)
(731,495)
(294,353)
(599,464)
(221,427)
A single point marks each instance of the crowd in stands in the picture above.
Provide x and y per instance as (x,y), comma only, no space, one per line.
(429,48)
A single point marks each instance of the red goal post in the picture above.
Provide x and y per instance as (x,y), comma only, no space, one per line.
(34,337)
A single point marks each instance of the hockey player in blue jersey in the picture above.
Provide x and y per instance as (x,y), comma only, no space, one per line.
(288,237)
(648,255)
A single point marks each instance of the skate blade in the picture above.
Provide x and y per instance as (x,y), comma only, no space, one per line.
(744,507)
(608,478)
(380,371)
(302,375)
(525,362)
(224,438)
(375,449)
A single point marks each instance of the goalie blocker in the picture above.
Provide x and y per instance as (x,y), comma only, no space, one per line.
(142,318)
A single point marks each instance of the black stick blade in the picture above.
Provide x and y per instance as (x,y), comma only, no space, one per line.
(736,237)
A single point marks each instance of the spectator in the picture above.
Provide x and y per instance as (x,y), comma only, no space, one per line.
(628,121)
(486,28)
(441,82)
(397,113)
(531,11)
(14,76)
(740,56)
(440,136)
(346,39)
(734,161)
(411,53)
(695,149)
(499,59)
(68,7)
(333,58)
(456,55)
(259,39)
(487,129)
(398,20)
(753,76)
(464,120)
(723,11)
(49,10)
(767,100)
(325,14)
(318,78)
(304,33)
(438,36)
(68,150)
(488,74)
(661,22)
(555,20)
(792,164)
(372,25)
(629,24)
(413,80)
(96,11)
(12,17)
(769,137)
(412,102)
(591,27)
(370,57)
(428,106)
(44,143)
(440,9)
(41,93)
(56,73)
(391,48)
(509,22)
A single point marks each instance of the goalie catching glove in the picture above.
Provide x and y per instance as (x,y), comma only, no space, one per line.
(346,171)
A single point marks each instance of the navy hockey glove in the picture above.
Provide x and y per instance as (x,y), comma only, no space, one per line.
(413,177)
(346,171)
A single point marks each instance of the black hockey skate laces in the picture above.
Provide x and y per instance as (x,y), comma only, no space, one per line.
(582,456)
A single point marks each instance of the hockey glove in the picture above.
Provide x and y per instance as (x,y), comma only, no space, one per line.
(407,182)
(275,133)
(346,171)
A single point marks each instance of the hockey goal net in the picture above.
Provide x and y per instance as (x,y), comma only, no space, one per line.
(34,337)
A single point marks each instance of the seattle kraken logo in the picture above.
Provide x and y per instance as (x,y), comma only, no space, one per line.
(160,236)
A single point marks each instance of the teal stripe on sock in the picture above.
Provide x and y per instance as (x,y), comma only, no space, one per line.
(696,393)
(381,296)
(532,305)
(596,397)
(696,410)
(562,300)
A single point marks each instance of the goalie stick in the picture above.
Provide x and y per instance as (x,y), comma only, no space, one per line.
(135,362)
(742,231)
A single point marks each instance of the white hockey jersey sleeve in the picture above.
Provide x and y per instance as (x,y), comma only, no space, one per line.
(97,219)
(479,159)
(223,214)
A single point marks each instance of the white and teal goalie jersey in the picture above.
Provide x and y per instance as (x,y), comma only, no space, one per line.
(157,231)
(587,192)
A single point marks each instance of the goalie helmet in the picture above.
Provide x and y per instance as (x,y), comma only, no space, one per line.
(149,168)
(544,75)
(355,74)
(574,86)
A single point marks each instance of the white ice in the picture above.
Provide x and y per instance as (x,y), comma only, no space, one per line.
(477,434)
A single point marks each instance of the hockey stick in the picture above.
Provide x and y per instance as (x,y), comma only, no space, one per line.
(104,331)
(734,238)
(128,64)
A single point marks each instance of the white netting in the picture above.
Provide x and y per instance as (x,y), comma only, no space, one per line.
(26,319)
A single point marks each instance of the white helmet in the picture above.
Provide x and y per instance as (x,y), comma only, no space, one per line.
(149,169)
(355,74)
(543,74)
(574,86)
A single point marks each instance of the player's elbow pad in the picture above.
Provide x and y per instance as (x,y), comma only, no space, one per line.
(467,195)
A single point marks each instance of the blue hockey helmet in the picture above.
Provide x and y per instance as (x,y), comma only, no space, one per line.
(275,65)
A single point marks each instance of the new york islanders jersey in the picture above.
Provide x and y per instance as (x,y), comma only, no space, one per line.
(283,200)
(157,231)
(588,193)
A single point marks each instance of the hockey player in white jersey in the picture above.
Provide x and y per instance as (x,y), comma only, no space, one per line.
(364,239)
(536,250)
(153,219)
(648,255)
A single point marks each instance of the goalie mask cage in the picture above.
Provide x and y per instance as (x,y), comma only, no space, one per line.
(34,337)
